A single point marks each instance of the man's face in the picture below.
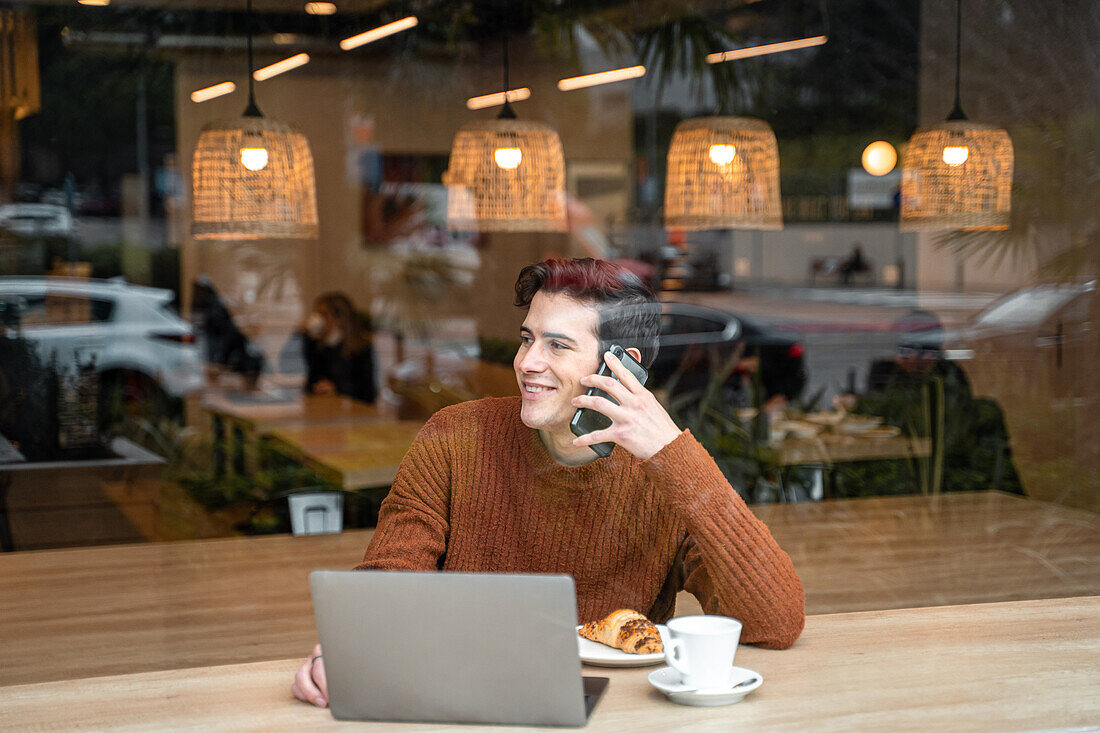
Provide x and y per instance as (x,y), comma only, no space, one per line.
(558,348)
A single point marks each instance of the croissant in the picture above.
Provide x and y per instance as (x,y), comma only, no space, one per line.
(627,630)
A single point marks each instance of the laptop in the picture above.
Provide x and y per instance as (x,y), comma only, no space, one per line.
(452,647)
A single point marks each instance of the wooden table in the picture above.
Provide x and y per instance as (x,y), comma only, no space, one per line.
(1002,666)
(825,450)
(240,418)
(253,414)
(108,610)
(829,448)
(354,457)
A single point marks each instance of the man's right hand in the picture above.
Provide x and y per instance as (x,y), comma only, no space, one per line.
(310,684)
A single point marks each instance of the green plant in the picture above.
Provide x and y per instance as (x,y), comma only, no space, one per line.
(739,446)
(257,501)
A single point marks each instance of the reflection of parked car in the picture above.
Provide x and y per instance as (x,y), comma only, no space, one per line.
(686,328)
(42,220)
(131,332)
(1042,332)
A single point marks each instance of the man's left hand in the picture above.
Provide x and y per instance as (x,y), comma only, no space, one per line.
(638,423)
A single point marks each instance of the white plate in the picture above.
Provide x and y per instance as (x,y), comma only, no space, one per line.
(667,680)
(601,655)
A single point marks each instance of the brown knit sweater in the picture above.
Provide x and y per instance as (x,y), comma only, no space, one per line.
(478,492)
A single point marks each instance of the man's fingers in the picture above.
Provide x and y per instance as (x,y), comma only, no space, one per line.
(303,687)
(619,370)
(612,386)
(601,405)
(310,684)
(321,680)
(598,436)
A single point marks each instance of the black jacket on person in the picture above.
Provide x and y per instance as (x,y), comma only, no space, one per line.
(352,375)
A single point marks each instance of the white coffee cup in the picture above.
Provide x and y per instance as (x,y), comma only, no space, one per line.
(702,648)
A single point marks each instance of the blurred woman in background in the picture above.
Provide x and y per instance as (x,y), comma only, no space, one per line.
(338,354)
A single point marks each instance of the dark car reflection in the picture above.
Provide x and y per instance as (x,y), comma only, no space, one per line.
(699,344)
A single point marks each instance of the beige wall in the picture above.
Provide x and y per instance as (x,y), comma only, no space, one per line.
(785,256)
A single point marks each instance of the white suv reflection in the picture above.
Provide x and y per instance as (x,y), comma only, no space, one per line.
(130,331)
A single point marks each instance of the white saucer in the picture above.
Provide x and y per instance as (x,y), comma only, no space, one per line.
(667,680)
(602,655)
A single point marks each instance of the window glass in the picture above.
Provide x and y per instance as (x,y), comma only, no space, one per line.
(297,261)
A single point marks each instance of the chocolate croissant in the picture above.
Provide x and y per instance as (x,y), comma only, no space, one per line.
(627,630)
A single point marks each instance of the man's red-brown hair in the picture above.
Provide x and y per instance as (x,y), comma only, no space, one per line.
(629,312)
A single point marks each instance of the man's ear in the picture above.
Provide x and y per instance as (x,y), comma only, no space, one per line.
(635,353)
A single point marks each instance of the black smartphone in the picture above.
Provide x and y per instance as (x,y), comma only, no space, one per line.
(586,420)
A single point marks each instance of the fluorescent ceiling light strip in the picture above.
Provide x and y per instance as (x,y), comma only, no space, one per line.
(603,77)
(299,59)
(380,32)
(96,3)
(493,100)
(202,95)
(744,53)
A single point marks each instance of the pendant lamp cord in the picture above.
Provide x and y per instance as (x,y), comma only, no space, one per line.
(956,112)
(252,110)
(507,113)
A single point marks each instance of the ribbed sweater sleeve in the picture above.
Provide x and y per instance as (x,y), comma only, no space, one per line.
(414,521)
(733,565)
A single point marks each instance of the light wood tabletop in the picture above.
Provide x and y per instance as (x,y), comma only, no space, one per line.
(241,418)
(257,414)
(354,456)
(828,449)
(1001,666)
(144,607)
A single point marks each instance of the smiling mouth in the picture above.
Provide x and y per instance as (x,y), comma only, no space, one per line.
(536,389)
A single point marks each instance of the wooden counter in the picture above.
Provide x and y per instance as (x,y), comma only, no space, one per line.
(137,608)
(1003,666)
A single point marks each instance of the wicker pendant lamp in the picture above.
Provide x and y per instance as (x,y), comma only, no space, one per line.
(957,174)
(506,175)
(252,177)
(723,173)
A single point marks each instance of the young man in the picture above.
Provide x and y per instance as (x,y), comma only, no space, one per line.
(502,484)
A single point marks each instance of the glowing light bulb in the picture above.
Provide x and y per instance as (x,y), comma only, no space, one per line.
(722,154)
(508,158)
(955,156)
(254,159)
(879,158)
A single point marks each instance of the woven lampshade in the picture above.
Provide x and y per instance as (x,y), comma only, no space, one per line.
(277,201)
(972,194)
(723,173)
(524,192)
